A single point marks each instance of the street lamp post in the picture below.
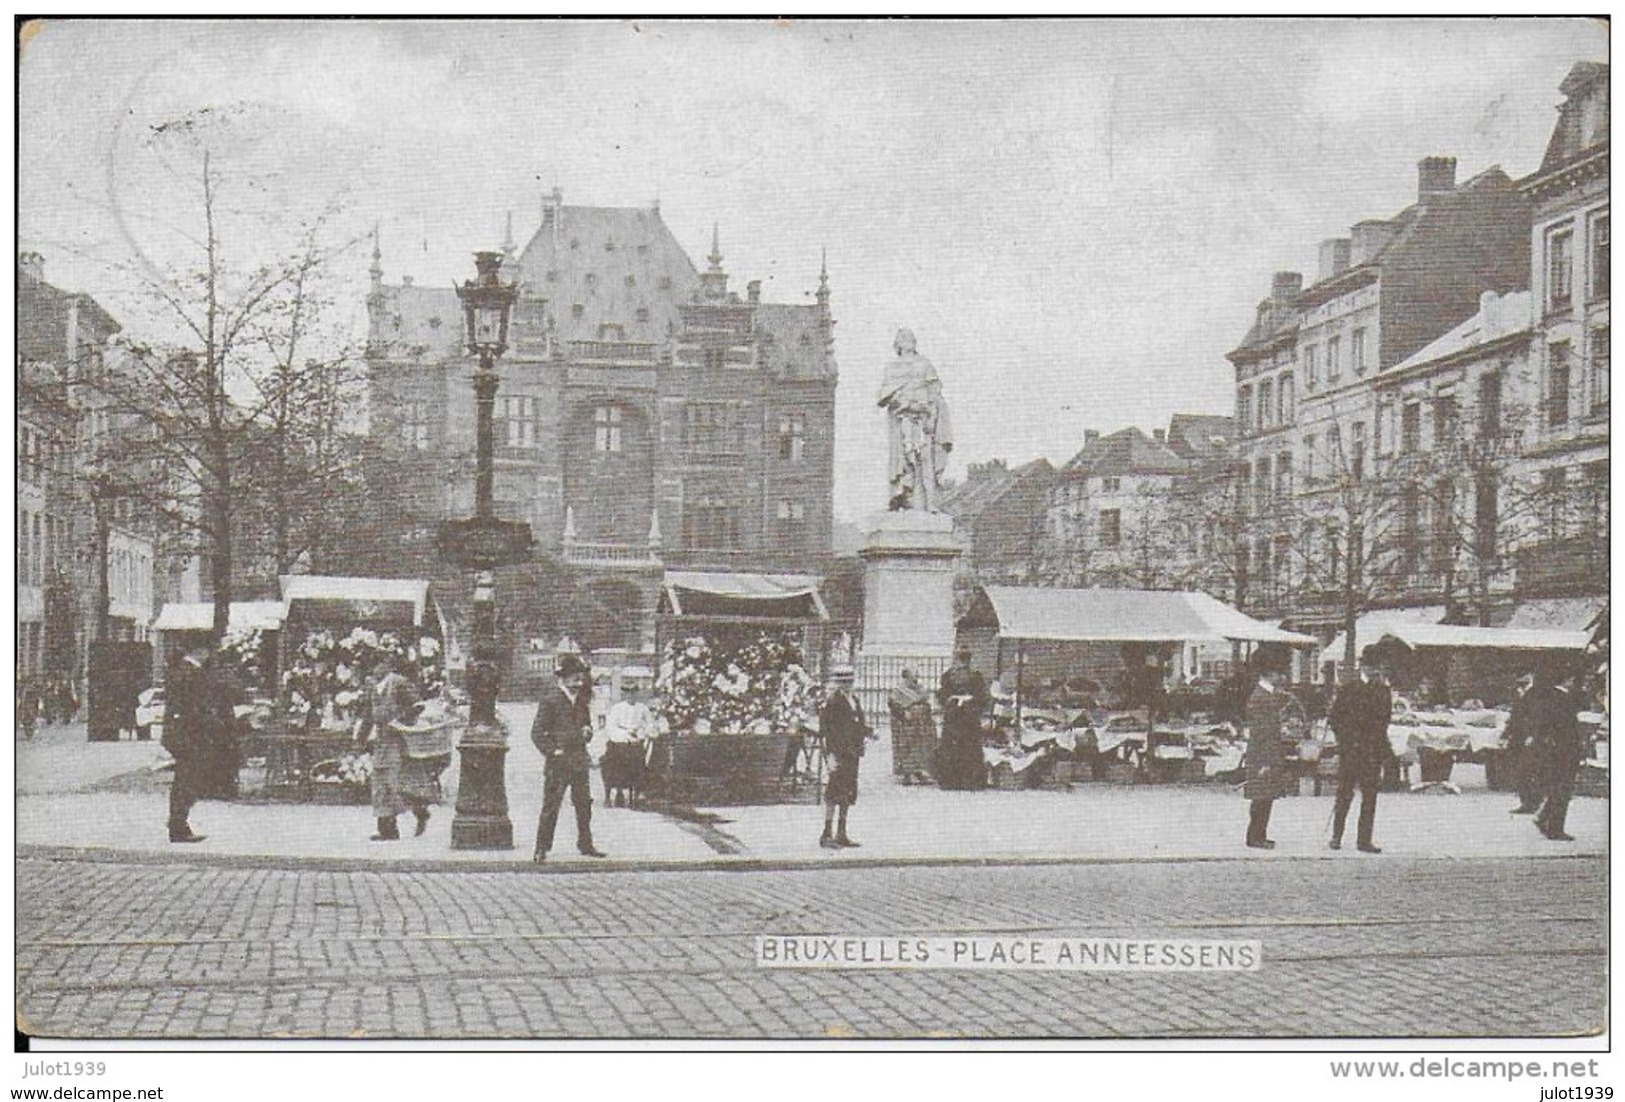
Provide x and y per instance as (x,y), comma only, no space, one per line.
(483,543)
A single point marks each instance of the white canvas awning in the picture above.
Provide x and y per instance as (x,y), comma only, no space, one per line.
(1369,628)
(1561,613)
(1120,616)
(698,593)
(360,598)
(1451,636)
(199,616)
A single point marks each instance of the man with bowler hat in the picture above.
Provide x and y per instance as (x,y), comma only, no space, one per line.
(1560,747)
(1264,721)
(562,730)
(1359,718)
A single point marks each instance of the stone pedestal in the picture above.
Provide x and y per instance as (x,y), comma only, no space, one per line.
(908,586)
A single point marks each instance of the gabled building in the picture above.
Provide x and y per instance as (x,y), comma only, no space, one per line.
(999,516)
(649,416)
(1131,509)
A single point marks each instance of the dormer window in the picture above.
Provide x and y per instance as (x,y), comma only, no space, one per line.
(643,250)
(631,281)
(643,313)
(609,246)
(577,310)
(592,279)
(434,323)
(552,275)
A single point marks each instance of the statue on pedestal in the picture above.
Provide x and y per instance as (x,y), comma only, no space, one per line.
(919,431)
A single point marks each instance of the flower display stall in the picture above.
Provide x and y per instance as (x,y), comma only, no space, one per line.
(742,663)
(338,633)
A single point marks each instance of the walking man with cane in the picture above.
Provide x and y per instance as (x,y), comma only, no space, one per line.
(1359,718)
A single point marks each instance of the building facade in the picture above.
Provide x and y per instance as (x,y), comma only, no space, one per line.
(1566,453)
(1145,512)
(999,517)
(649,417)
(1315,449)
(63,346)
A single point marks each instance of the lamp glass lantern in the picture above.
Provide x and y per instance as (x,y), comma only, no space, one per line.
(487,305)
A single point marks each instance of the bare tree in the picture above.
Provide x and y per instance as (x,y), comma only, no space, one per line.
(196,412)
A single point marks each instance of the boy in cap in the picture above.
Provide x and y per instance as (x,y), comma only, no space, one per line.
(842,725)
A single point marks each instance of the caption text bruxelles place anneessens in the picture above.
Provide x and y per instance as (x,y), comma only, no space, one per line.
(1008,953)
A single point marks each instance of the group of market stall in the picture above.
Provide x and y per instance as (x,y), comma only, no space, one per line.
(1033,635)
(299,668)
(1453,694)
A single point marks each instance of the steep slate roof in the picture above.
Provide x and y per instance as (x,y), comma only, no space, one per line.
(1127,451)
(987,487)
(1199,435)
(612,261)
(1273,320)
(42,319)
(424,320)
(1513,313)
(791,343)
(1567,141)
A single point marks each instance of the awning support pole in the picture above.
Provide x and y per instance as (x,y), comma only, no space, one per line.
(1021,664)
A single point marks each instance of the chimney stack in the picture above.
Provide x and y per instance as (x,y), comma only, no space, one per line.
(753,291)
(1434,176)
(1334,257)
(1489,316)
(551,202)
(1159,435)
(1367,239)
(31,264)
(1286,286)
(1091,435)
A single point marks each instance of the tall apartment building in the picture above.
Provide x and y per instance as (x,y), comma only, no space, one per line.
(1305,399)
(1566,452)
(62,347)
(649,418)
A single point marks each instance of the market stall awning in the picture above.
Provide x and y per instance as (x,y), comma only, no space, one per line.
(1561,613)
(754,596)
(1118,616)
(199,616)
(399,601)
(1418,636)
(1369,628)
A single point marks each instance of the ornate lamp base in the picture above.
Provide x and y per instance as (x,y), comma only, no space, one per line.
(482,791)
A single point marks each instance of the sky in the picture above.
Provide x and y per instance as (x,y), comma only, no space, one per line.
(1076,219)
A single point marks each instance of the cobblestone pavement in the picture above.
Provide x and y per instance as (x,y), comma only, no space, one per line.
(1480,947)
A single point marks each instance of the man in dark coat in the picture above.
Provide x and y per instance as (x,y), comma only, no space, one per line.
(1264,718)
(188,722)
(562,731)
(1359,718)
(1522,761)
(964,696)
(1559,746)
(844,730)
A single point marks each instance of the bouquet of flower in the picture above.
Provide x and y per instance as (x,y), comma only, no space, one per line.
(328,677)
(243,654)
(758,684)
